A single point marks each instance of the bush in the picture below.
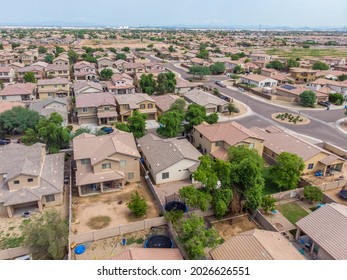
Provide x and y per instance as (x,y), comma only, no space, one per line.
(138,205)
(268,203)
(313,193)
(336,98)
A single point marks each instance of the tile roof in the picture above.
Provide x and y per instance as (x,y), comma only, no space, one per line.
(54,81)
(95,99)
(133,99)
(327,226)
(149,254)
(84,85)
(163,153)
(8,105)
(255,77)
(204,98)
(257,245)
(18,89)
(164,102)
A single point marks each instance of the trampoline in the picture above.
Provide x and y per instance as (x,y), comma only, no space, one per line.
(159,241)
(176,205)
(343,194)
(80,249)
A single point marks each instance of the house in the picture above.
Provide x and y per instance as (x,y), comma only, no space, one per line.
(8,105)
(105,163)
(212,103)
(84,70)
(154,68)
(126,104)
(118,64)
(133,68)
(258,80)
(120,84)
(104,62)
(315,158)
(216,139)
(198,61)
(19,92)
(58,71)
(293,92)
(61,60)
(257,244)
(164,102)
(51,105)
(38,71)
(260,57)
(96,108)
(168,160)
(149,254)
(80,87)
(183,86)
(302,75)
(336,86)
(32,179)
(7,75)
(27,57)
(56,87)
(7,58)
(326,230)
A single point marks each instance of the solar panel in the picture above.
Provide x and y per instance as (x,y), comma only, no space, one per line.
(288,87)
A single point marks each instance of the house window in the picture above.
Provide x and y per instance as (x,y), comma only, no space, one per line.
(50,198)
(130,175)
(310,166)
(219,143)
(165,175)
(106,166)
(30,180)
(150,106)
(4,98)
(200,135)
(126,106)
(50,94)
(142,106)
(251,145)
(106,108)
(84,110)
(123,163)
(85,161)
(16,182)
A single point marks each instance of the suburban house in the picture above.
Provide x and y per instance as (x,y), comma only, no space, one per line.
(31,180)
(302,75)
(126,104)
(56,87)
(260,57)
(80,87)
(105,163)
(258,80)
(183,86)
(19,92)
(154,68)
(293,92)
(61,60)
(56,71)
(27,57)
(133,68)
(212,103)
(48,106)
(7,75)
(8,105)
(326,230)
(7,58)
(120,84)
(168,160)
(84,70)
(96,108)
(336,86)
(315,158)
(257,244)
(38,71)
(104,62)
(216,139)
(164,102)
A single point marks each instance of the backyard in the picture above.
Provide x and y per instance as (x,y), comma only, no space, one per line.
(292,211)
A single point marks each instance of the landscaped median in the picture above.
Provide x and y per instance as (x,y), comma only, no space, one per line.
(290,118)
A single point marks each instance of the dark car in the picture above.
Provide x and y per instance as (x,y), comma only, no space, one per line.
(107,129)
(324,103)
(5,141)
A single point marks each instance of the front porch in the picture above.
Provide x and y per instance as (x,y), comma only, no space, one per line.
(99,188)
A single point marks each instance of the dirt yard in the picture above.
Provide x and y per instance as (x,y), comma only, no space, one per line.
(119,44)
(233,226)
(334,194)
(107,204)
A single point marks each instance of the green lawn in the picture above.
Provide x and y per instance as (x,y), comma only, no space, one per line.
(292,211)
(301,52)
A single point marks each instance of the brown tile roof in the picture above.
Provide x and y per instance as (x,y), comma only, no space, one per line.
(54,81)
(257,245)
(255,77)
(327,226)
(133,99)
(79,85)
(8,105)
(18,89)
(164,102)
(204,98)
(149,254)
(94,99)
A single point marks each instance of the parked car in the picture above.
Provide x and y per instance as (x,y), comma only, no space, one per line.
(5,141)
(324,103)
(220,83)
(107,129)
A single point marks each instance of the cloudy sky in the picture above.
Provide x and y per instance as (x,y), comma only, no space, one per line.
(294,13)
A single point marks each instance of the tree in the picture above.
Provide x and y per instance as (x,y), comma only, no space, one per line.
(308,98)
(276,64)
(73,56)
(166,83)
(49,58)
(313,193)
(195,237)
(15,45)
(1,46)
(106,74)
(148,84)
(29,77)
(121,56)
(112,50)
(235,57)
(292,63)
(171,49)
(212,118)
(203,54)
(171,124)
(123,127)
(47,236)
(217,68)
(268,203)
(58,50)
(196,114)
(138,204)
(195,198)
(286,172)
(342,77)
(238,69)
(19,119)
(81,130)
(126,49)
(336,98)
(320,66)
(178,105)
(199,71)
(232,108)
(247,60)
(42,50)
(137,124)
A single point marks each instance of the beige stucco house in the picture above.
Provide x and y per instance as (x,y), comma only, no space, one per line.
(105,163)
(212,103)
(19,92)
(56,87)
(120,84)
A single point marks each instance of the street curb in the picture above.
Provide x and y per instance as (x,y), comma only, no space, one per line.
(338,125)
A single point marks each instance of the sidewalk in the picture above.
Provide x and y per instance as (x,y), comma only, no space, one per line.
(341,125)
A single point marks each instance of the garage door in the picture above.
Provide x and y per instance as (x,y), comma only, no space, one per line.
(88,120)
(151,117)
(210,110)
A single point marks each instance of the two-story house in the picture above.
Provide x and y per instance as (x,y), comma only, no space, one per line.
(56,87)
(133,68)
(56,71)
(105,163)
(61,60)
(39,72)
(104,62)
(120,84)
(96,108)
(216,139)
(30,179)
(84,70)
(126,104)
(80,87)
(302,75)
(19,92)
(7,75)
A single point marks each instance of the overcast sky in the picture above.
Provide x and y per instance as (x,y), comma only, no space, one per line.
(294,13)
